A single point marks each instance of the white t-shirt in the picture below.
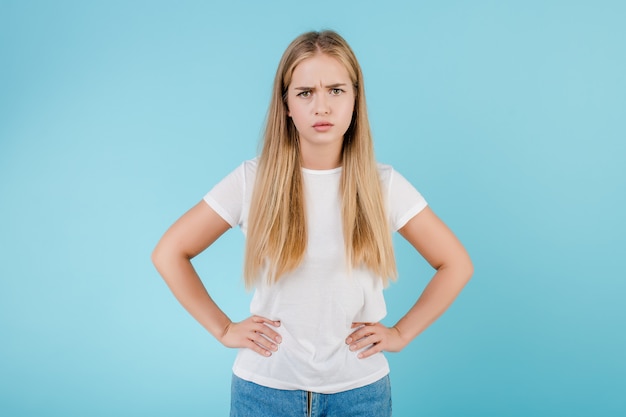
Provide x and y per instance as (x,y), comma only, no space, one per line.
(317,302)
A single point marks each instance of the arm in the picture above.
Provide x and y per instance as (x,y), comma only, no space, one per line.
(443,251)
(187,237)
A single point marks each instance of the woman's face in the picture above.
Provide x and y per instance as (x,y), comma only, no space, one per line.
(320,101)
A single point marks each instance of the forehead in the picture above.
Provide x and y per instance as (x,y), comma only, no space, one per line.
(320,68)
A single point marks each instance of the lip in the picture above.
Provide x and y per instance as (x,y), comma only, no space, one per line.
(322,126)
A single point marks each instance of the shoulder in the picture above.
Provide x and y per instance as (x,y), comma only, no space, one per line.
(403,199)
(384,169)
(250,166)
(239,178)
(252,163)
(246,171)
(389,175)
(385,173)
(395,183)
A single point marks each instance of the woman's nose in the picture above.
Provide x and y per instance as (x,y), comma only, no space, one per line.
(321,104)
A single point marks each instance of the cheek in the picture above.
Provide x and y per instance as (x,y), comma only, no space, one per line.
(297,112)
(349,112)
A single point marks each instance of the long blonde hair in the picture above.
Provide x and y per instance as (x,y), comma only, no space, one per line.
(277,232)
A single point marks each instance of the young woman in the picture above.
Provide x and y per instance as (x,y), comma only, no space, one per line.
(318,213)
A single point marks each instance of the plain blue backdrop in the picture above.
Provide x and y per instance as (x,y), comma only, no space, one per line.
(117,116)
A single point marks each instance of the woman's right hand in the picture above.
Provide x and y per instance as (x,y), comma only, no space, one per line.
(254,333)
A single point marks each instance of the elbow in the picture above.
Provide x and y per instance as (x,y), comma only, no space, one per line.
(466,268)
(461,268)
(469,270)
(154,257)
(166,256)
(157,257)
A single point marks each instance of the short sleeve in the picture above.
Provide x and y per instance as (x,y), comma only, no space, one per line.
(227,196)
(403,200)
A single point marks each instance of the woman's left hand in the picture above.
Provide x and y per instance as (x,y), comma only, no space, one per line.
(375,337)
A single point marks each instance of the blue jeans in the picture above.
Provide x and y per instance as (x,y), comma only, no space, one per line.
(251,400)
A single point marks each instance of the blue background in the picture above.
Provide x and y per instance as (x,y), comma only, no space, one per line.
(117,116)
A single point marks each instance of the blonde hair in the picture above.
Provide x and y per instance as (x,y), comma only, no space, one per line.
(277,233)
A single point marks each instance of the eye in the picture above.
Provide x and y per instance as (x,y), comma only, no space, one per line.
(336,91)
(305,94)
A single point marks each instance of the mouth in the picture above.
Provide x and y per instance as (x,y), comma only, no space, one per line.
(322,126)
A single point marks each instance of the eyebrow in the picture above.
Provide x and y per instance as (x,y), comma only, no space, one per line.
(326,86)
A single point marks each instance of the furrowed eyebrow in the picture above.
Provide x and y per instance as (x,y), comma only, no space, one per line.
(336,85)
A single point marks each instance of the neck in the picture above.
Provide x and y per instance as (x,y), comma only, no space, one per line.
(320,157)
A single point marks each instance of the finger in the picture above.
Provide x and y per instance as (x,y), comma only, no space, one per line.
(260,319)
(361,333)
(372,339)
(370,351)
(355,336)
(362,323)
(361,343)
(264,342)
(267,331)
(258,349)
